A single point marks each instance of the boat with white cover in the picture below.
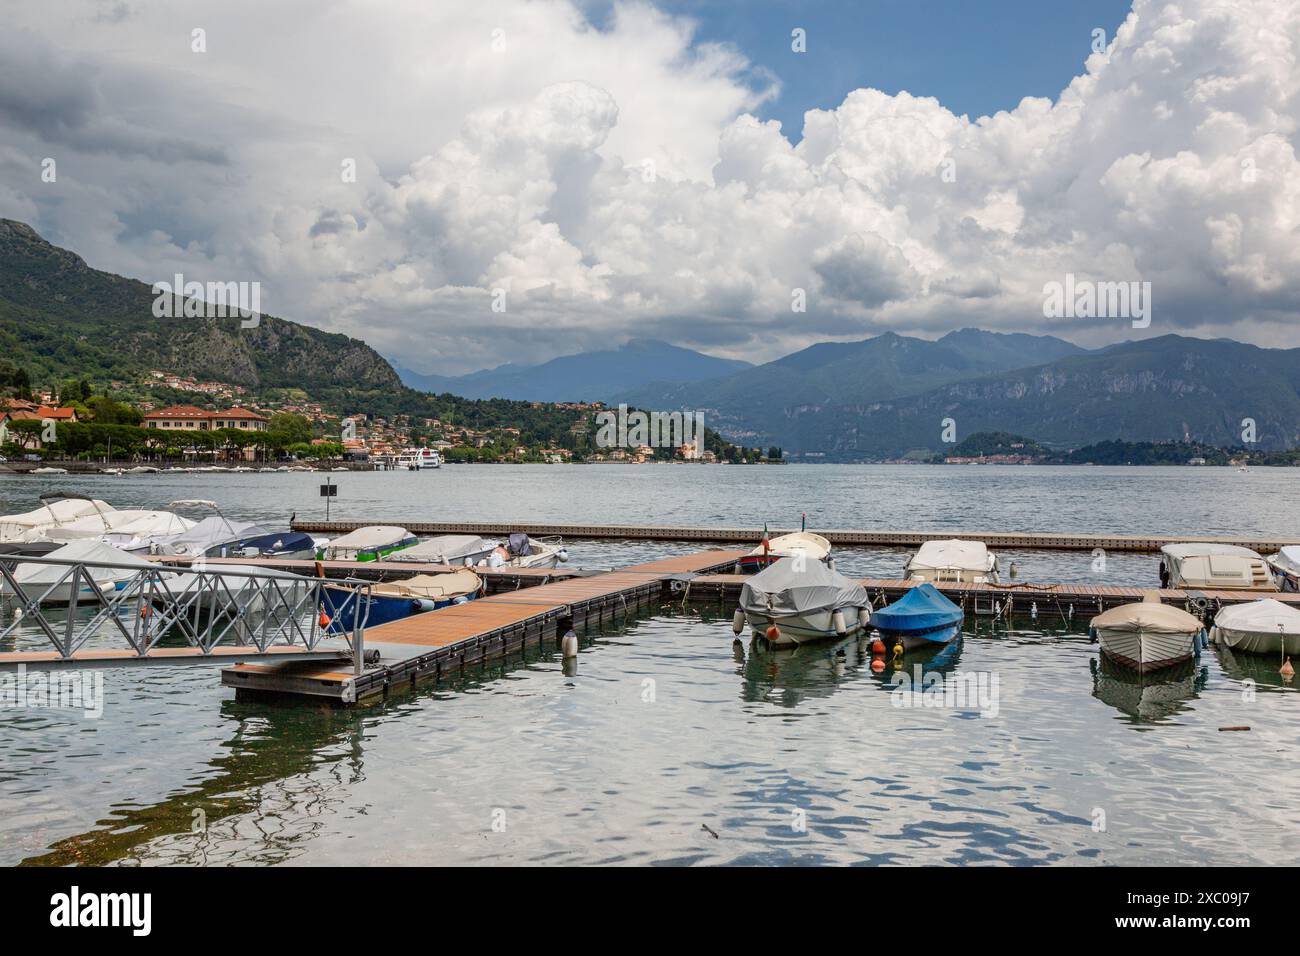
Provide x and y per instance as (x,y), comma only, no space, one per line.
(1218,567)
(37,579)
(127,529)
(370,543)
(454,549)
(812,546)
(796,602)
(1286,568)
(56,509)
(1261,627)
(953,561)
(1148,635)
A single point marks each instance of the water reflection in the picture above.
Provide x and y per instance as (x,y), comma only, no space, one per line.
(269,747)
(1151,698)
(1261,668)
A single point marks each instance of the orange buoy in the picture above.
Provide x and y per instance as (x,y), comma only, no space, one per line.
(773,632)
(877,665)
(877,646)
(145,610)
(324,619)
(1286,670)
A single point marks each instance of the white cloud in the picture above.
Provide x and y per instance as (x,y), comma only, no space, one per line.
(616,183)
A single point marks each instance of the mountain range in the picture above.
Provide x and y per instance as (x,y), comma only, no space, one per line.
(876,398)
(583,377)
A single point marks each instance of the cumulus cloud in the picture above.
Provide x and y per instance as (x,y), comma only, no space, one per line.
(604,181)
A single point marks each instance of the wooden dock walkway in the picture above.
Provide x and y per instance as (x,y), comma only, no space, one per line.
(1086,599)
(428,646)
(750,536)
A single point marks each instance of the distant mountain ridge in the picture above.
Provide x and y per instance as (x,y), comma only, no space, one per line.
(586,376)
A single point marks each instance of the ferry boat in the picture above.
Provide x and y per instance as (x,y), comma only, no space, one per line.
(418,459)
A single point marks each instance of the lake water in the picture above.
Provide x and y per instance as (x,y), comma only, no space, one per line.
(668,734)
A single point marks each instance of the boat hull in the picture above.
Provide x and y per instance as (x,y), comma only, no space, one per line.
(1258,642)
(381,609)
(796,630)
(912,640)
(1145,652)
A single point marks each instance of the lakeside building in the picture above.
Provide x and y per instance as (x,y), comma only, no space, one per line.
(197,419)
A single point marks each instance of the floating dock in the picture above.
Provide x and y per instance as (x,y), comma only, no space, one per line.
(1006,599)
(751,536)
(428,646)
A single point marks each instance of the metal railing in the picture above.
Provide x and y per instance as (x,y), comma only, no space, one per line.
(206,606)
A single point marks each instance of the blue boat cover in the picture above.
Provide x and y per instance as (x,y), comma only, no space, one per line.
(921,609)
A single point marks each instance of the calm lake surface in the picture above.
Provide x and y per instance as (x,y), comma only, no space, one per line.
(667,734)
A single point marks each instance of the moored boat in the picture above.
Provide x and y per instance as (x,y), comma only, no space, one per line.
(370,543)
(1261,627)
(955,561)
(57,508)
(454,549)
(419,459)
(1286,568)
(52,583)
(795,602)
(1205,565)
(812,546)
(521,551)
(920,618)
(395,600)
(1148,635)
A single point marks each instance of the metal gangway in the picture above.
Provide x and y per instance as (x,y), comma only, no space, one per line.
(167,613)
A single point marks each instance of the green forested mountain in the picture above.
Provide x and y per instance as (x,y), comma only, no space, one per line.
(61,319)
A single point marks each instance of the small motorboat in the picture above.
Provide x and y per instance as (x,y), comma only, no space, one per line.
(38,579)
(1147,636)
(371,543)
(955,561)
(57,508)
(811,546)
(1214,567)
(1260,627)
(455,549)
(795,602)
(394,600)
(1286,568)
(127,529)
(920,618)
(521,551)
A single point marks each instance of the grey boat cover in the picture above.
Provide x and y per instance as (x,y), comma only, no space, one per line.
(780,590)
(518,544)
(443,549)
(208,533)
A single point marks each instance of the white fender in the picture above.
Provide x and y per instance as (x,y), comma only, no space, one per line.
(837,619)
(738,621)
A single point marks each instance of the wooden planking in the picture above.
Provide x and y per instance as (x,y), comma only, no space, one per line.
(387,570)
(222,654)
(466,629)
(899,539)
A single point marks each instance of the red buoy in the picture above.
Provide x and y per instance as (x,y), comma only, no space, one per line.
(877,646)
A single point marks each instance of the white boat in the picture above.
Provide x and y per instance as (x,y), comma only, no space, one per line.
(521,551)
(455,549)
(419,459)
(55,510)
(36,579)
(127,529)
(813,546)
(1261,627)
(1148,635)
(796,602)
(371,543)
(49,471)
(1214,567)
(953,561)
(1286,568)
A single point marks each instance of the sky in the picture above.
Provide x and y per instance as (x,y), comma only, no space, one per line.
(464,186)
